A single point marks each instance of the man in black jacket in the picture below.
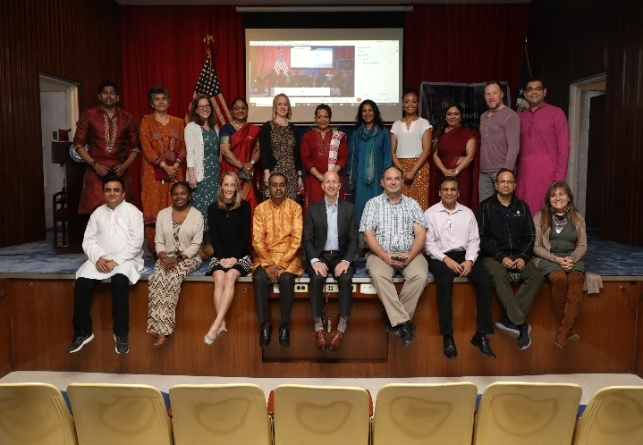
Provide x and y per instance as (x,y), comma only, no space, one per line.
(330,242)
(506,243)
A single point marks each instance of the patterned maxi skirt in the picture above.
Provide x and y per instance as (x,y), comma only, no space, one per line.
(163,295)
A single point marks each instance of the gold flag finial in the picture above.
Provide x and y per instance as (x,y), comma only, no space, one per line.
(208,39)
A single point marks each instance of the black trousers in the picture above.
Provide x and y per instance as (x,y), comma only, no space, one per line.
(261,283)
(480,279)
(345,282)
(83,289)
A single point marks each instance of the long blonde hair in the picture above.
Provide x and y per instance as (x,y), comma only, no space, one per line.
(236,198)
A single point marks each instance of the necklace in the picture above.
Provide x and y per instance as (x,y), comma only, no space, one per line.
(237,125)
(451,128)
(560,221)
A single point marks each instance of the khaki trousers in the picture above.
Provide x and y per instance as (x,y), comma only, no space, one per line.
(416,276)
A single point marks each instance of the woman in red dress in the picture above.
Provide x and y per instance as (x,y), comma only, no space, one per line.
(322,149)
(454,154)
(240,151)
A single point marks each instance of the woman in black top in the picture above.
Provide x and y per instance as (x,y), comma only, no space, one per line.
(229,226)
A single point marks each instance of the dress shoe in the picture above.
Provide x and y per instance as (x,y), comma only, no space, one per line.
(320,340)
(482,342)
(264,335)
(284,336)
(449,347)
(406,333)
(393,330)
(161,340)
(336,339)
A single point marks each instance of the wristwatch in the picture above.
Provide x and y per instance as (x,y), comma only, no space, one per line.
(252,162)
(91,164)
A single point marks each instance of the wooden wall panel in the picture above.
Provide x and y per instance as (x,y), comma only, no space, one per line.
(77,40)
(41,313)
(574,39)
(6,341)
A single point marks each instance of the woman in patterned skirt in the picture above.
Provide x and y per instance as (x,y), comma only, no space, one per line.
(179,232)
(229,222)
(279,142)
(411,146)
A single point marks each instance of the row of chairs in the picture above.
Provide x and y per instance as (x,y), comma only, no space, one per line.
(237,414)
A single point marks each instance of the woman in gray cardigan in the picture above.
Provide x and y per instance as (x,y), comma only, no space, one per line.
(560,245)
(179,232)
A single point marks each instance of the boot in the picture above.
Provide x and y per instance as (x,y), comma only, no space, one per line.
(574,300)
(558,279)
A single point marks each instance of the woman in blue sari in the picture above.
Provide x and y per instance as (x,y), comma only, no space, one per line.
(369,155)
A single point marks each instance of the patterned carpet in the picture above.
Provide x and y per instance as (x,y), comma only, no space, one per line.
(605,258)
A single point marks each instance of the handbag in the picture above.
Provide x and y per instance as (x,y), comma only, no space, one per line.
(169,157)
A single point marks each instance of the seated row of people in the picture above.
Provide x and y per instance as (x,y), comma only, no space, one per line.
(494,248)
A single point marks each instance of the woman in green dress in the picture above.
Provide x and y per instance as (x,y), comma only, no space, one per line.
(203,159)
(561,243)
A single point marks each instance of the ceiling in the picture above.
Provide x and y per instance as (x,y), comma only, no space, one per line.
(304,2)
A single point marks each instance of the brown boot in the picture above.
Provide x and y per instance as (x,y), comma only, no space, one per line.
(558,279)
(574,300)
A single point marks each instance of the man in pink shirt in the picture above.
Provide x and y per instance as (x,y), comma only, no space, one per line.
(544,146)
(499,139)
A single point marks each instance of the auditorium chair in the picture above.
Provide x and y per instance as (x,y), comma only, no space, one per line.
(527,414)
(110,414)
(232,414)
(34,414)
(613,416)
(418,414)
(321,415)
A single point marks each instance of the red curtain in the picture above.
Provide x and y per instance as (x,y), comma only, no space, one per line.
(465,43)
(163,45)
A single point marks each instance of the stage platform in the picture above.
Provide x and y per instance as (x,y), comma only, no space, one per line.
(36,303)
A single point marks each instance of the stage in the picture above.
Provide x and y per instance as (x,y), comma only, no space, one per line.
(36,301)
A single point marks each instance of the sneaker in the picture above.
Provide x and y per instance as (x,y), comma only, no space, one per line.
(78,342)
(121,344)
(505,325)
(524,340)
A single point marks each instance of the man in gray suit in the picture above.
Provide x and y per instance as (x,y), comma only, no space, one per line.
(330,242)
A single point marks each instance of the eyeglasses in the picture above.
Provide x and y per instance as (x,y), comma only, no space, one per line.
(532,89)
(322,118)
(204,107)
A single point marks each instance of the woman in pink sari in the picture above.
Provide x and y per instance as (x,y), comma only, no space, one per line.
(454,154)
(240,150)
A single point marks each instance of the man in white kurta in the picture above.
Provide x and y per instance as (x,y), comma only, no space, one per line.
(113,244)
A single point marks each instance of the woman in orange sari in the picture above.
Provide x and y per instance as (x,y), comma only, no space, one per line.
(163,159)
(240,150)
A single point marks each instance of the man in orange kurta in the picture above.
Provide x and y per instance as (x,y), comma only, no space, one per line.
(276,238)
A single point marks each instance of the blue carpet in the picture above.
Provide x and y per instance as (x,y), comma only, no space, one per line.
(605,258)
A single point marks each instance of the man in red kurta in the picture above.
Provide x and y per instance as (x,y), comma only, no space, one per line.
(107,140)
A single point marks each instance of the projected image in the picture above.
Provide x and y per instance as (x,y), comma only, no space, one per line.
(338,67)
(307,72)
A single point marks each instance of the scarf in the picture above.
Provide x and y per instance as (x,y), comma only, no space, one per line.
(369,171)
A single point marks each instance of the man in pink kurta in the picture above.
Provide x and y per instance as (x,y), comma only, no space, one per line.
(544,147)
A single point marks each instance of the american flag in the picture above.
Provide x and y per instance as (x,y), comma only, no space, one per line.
(208,83)
(280,65)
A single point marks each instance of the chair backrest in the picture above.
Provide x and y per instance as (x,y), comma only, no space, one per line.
(119,414)
(229,414)
(34,414)
(321,415)
(613,416)
(527,413)
(414,414)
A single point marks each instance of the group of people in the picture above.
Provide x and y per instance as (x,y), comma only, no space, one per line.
(198,189)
